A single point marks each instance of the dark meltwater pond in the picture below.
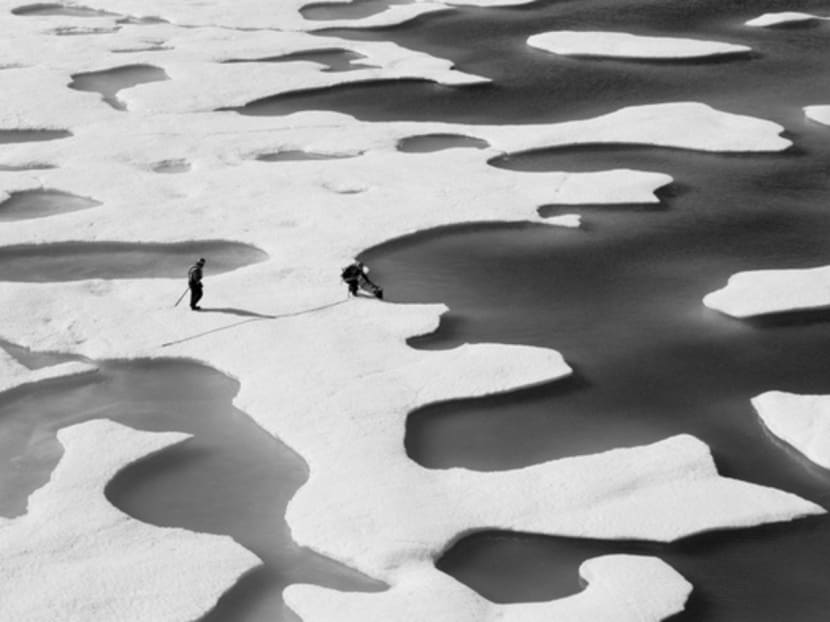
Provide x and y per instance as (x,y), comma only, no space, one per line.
(531,85)
(230,478)
(356,9)
(51,9)
(27,136)
(41,203)
(294,155)
(429,143)
(110,81)
(75,261)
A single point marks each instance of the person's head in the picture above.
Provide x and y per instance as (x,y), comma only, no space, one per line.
(201,261)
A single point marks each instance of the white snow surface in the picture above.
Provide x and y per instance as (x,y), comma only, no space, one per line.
(334,379)
(624,45)
(803,421)
(621,588)
(761,292)
(73,556)
(783,17)
(821,114)
(13,374)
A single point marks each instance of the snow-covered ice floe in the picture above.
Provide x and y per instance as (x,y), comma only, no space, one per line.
(662,492)
(73,556)
(334,379)
(782,18)
(621,588)
(803,421)
(624,45)
(820,114)
(761,292)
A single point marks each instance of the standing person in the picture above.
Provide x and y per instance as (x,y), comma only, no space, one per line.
(355,276)
(194,282)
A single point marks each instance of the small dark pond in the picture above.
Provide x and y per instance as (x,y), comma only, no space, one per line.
(142,21)
(32,166)
(357,9)
(40,203)
(60,9)
(75,261)
(27,136)
(171,166)
(429,143)
(110,81)
(294,155)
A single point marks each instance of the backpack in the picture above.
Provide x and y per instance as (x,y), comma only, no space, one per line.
(351,271)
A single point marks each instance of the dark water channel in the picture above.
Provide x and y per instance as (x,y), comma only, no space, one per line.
(230,478)
(530,85)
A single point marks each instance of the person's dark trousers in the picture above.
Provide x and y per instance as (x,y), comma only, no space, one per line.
(195,294)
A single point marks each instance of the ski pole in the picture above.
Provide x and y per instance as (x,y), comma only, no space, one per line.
(181,297)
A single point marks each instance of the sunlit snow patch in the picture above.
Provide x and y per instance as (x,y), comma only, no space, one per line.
(762,292)
(803,421)
(627,46)
(785,18)
(820,114)
(40,203)
(620,588)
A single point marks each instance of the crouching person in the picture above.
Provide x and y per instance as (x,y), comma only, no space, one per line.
(356,277)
